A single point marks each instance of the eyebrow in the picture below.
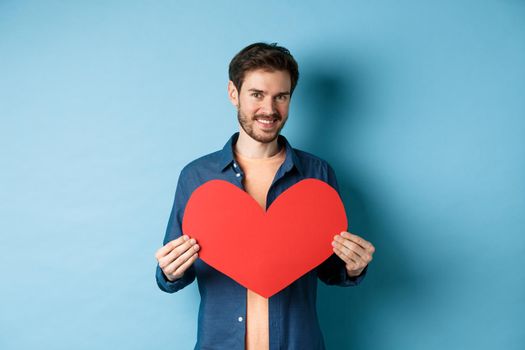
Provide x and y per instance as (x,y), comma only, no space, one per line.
(262,92)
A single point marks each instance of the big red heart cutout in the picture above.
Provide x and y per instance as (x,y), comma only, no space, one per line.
(264,251)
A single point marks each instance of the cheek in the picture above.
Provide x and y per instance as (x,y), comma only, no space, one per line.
(247,106)
(250,110)
(283,110)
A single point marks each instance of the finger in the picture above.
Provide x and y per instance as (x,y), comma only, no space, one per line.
(364,255)
(168,247)
(349,248)
(174,268)
(353,256)
(346,258)
(356,239)
(175,253)
(349,261)
(348,244)
(360,241)
(180,271)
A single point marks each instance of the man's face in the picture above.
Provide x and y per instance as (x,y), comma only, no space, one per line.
(262,104)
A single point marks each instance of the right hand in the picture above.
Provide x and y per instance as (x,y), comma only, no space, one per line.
(176,256)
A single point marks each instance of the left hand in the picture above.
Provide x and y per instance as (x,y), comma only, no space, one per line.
(354,251)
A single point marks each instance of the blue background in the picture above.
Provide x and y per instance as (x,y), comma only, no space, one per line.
(418,105)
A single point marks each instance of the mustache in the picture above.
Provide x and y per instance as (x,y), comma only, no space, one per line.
(275,115)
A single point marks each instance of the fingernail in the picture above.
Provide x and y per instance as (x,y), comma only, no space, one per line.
(196,246)
(192,241)
(186,237)
(333,243)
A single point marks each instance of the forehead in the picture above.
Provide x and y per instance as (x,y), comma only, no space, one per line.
(267,80)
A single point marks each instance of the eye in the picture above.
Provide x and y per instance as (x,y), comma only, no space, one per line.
(256,94)
(282,98)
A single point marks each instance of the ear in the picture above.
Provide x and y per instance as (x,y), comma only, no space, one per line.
(233,94)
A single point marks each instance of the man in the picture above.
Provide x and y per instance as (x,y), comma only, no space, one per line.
(260,161)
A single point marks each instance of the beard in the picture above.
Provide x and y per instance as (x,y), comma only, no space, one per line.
(264,136)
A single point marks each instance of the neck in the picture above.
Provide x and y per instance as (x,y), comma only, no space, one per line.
(251,148)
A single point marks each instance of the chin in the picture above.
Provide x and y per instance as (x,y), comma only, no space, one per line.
(265,138)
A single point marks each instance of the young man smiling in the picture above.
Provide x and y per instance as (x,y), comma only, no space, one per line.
(260,161)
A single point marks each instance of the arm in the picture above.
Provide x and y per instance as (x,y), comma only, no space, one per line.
(182,272)
(333,272)
(340,269)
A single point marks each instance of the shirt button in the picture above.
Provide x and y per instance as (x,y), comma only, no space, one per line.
(238,175)
(240,319)
(234,165)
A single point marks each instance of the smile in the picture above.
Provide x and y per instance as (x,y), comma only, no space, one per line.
(265,121)
(266,124)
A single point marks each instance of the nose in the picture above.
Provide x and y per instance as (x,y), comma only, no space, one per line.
(268,106)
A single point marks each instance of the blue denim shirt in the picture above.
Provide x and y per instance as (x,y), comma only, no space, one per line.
(222,313)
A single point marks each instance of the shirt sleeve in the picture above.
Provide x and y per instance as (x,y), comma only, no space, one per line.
(174,231)
(333,271)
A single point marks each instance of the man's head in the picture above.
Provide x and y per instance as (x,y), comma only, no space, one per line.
(262,79)
(268,57)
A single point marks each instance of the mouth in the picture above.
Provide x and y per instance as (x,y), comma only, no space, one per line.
(266,123)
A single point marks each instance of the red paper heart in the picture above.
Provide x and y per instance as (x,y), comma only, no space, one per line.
(264,251)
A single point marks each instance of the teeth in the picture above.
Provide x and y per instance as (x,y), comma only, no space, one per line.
(265,121)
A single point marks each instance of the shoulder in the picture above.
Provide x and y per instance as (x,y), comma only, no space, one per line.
(199,171)
(308,158)
(312,163)
(205,163)
(313,166)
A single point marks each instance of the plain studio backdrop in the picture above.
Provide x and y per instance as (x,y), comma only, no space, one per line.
(418,105)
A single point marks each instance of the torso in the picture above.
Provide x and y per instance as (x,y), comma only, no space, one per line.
(258,177)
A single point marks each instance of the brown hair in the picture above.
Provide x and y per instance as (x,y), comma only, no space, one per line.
(263,56)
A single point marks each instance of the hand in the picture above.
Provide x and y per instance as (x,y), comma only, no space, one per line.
(177,256)
(354,251)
